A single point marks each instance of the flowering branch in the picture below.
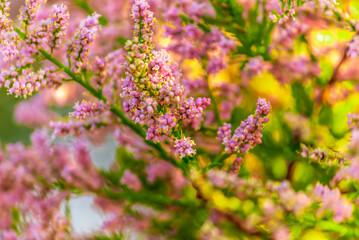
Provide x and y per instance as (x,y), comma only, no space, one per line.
(115,110)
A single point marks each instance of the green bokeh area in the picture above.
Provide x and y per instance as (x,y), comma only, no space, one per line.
(10,131)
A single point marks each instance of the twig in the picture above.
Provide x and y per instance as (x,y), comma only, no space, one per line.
(334,77)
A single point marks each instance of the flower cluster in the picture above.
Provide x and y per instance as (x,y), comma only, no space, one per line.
(26,82)
(58,25)
(100,70)
(193,86)
(131,180)
(24,191)
(5,20)
(78,50)
(236,165)
(50,31)
(247,135)
(287,33)
(299,125)
(191,42)
(253,68)
(29,11)
(8,47)
(156,98)
(228,96)
(300,67)
(88,109)
(183,147)
(191,110)
(333,201)
(129,140)
(281,13)
(36,112)
(72,127)
(320,156)
(296,202)
(353,50)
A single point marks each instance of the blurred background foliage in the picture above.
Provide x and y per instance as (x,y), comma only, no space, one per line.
(10,131)
(277,157)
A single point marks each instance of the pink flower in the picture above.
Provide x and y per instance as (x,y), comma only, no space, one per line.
(247,135)
(131,181)
(87,109)
(183,147)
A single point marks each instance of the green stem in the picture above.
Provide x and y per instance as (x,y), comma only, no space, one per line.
(215,108)
(137,129)
(147,197)
(214,103)
(217,162)
(343,230)
(21,34)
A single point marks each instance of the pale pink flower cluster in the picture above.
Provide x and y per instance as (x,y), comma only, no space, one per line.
(87,109)
(247,135)
(73,127)
(29,11)
(353,50)
(26,176)
(78,50)
(332,200)
(27,82)
(155,97)
(191,42)
(184,147)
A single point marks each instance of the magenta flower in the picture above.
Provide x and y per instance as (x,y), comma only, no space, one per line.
(78,50)
(247,135)
(88,109)
(183,147)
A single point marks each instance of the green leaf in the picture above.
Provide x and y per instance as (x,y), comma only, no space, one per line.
(10,131)
(204,27)
(303,103)
(238,115)
(15,215)
(191,223)
(326,116)
(303,175)
(116,236)
(243,171)
(186,19)
(87,8)
(279,168)
(103,21)
(326,72)
(121,40)
(16,219)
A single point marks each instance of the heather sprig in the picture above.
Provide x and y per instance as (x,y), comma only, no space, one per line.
(8,39)
(86,109)
(26,82)
(183,147)
(58,25)
(247,135)
(5,21)
(78,50)
(29,12)
(157,98)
